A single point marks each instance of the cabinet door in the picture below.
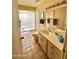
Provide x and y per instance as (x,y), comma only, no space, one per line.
(44,45)
(43,42)
(53,52)
(40,40)
(50,53)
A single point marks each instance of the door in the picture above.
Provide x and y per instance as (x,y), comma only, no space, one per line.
(16,43)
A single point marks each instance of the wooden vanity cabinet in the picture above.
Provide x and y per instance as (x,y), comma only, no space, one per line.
(53,51)
(49,48)
(43,42)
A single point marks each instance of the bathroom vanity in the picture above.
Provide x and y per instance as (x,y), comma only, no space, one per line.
(50,44)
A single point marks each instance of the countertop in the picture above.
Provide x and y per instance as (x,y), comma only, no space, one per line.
(53,39)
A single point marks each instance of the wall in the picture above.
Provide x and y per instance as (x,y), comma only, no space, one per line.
(22,7)
(60,13)
(42,7)
(16,43)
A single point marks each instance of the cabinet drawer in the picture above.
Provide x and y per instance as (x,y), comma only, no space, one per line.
(56,56)
(52,55)
(50,46)
(54,49)
(57,52)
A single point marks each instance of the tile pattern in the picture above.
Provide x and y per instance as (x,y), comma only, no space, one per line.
(31,49)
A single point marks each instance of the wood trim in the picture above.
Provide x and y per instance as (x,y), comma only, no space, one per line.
(22,7)
(56,5)
(64,55)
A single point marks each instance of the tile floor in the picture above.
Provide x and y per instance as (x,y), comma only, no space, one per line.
(31,49)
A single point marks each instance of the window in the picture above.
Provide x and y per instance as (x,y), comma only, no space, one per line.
(27,19)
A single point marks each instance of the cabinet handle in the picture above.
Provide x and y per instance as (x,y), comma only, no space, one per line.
(52,47)
(22,38)
(63,50)
(52,52)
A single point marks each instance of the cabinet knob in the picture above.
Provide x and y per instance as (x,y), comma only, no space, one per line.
(52,47)
(52,52)
(63,50)
(22,38)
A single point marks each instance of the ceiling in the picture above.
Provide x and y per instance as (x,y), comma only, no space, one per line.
(32,3)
